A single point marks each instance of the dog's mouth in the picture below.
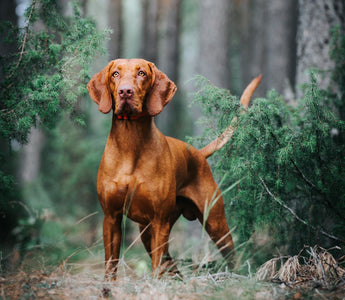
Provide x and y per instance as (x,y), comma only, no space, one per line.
(127,107)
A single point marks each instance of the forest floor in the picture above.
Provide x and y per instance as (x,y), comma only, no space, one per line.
(312,274)
(84,280)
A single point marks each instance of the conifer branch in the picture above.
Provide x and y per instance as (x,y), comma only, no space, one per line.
(297,217)
(24,39)
(26,33)
(311,184)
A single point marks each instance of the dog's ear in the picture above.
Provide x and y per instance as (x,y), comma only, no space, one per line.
(99,91)
(162,91)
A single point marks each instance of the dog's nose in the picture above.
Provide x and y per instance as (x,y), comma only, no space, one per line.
(125,91)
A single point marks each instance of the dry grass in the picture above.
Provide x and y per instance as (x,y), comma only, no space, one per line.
(314,273)
(84,280)
(311,268)
(88,284)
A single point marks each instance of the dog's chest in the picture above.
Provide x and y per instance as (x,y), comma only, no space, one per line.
(137,195)
(137,182)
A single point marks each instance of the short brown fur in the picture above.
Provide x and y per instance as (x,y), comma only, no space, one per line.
(146,175)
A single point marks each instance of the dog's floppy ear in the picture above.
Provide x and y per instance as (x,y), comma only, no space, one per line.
(162,91)
(99,91)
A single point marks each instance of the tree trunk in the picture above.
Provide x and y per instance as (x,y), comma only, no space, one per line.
(169,58)
(115,23)
(316,18)
(279,72)
(29,167)
(214,41)
(149,33)
(269,47)
(31,156)
(240,22)
(255,59)
(171,119)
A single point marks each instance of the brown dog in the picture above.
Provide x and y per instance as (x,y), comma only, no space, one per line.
(151,178)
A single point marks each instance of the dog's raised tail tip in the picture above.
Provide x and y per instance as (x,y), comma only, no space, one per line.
(220,141)
(249,90)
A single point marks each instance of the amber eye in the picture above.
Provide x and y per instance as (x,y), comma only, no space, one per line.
(115,74)
(141,73)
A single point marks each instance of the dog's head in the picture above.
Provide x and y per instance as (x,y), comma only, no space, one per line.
(131,87)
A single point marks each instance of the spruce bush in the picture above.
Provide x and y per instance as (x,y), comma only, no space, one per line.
(40,84)
(291,162)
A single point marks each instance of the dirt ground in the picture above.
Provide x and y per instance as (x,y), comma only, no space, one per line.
(84,280)
(312,274)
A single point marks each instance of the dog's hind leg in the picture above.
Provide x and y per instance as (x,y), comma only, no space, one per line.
(167,264)
(206,204)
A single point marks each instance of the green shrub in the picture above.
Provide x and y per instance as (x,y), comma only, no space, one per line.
(292,162)
(41,83)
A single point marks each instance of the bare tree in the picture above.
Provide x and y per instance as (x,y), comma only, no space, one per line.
(115,23)
(149,33)
(254,61)
(214,41)
(171,118)
(316,18)
(280,36)
(267,31)
(30,165)
(169,57)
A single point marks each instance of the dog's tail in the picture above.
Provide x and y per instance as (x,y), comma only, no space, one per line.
(220,141)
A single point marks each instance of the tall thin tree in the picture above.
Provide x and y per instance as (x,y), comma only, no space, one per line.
(316,18)
(115,23)
(149,33)
(172,118)
(214,41)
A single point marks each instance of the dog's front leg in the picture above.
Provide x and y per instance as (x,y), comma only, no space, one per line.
(112,242)
(159,245)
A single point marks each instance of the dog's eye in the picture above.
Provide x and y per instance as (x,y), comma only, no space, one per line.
(141,73)
(115,74)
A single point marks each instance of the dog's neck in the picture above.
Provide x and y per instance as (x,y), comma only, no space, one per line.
(130,136)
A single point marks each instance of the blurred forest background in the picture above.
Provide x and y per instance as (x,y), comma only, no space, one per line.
(289,155)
